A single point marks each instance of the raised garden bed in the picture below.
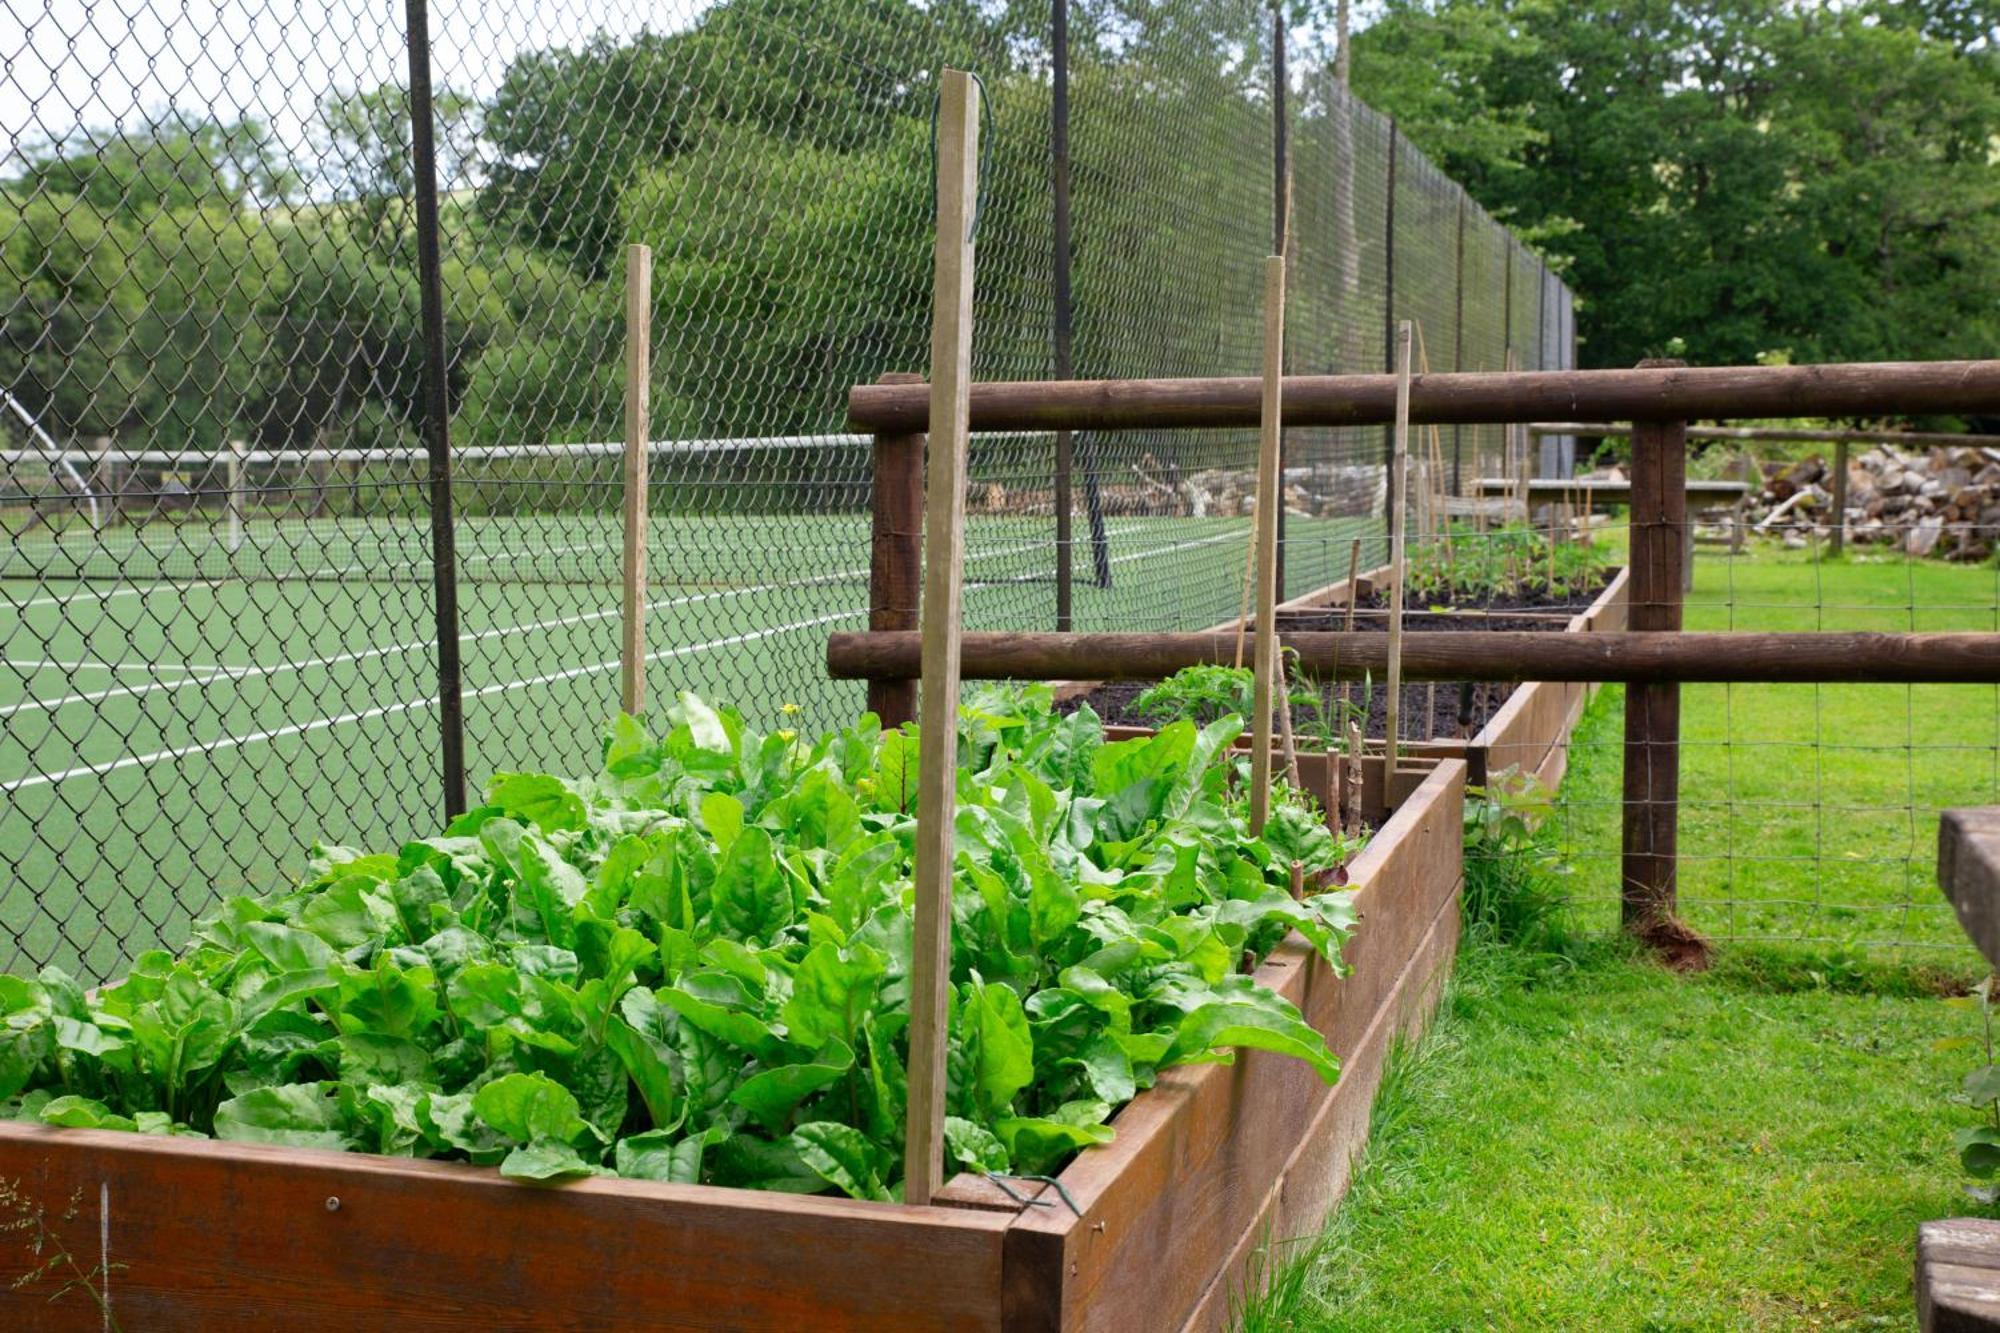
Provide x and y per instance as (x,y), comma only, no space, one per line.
(1207,1165)
(1524,726)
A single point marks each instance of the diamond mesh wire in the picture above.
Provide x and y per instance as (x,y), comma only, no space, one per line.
(219,637)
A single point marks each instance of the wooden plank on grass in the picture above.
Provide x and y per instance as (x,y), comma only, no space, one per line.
(1270,499)
(944,558)
(638,399)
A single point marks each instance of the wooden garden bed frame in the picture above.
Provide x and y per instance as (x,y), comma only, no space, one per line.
(1212,1169)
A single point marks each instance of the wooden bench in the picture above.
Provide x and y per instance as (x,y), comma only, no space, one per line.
(1588,494)
(1958,1275)
(1968,870)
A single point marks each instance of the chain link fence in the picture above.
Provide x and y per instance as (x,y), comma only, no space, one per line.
(220,620)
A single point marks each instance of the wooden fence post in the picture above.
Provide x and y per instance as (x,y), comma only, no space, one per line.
(1653,710)
(944,528)
(1270,503)
(896,554)
(1839,533)
(638,446)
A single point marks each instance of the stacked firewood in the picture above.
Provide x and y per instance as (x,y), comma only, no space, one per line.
(1940,502)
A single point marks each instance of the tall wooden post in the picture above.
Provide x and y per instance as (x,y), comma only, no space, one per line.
(896,556)
(1839,534)
(944,531)
(1270,501)
(638,444)
(1653,710)
(1399,470)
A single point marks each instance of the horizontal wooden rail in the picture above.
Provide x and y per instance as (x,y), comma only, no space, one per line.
(1797,434)
(1664,655)
(1652,393)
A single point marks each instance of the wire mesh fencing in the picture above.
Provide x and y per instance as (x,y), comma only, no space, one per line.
(222,636)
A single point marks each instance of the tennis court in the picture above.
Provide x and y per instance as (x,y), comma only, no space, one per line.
(285,690)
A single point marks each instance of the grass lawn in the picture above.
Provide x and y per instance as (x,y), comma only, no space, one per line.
(1587,1141)
(1808,812)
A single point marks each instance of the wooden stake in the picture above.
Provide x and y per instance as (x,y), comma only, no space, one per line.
(1399,465)
(944,558)
(638,398)
(1268,500)
(1353,596)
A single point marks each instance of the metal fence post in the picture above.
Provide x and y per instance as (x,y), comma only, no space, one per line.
(437,411)
(1065,441)
(1652,710)
(896,554)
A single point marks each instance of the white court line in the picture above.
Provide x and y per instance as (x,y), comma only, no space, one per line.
(320,724)
(407,705)
(234,674)
(324,571)
(32,664)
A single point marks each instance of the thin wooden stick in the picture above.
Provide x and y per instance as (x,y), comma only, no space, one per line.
(1399,463)
(1268,500)
(1249,583)
(944,558)
(638,401)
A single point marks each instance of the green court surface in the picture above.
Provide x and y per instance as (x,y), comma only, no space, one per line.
(183,721)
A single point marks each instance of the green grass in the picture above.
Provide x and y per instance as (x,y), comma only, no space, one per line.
(1807,812)
(1587,1141)
(186,731)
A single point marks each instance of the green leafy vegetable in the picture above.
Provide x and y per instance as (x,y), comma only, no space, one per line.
(694,967)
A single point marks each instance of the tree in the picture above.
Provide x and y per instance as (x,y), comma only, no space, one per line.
(1756,178)
(168,161)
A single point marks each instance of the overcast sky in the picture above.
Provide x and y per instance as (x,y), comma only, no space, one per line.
(95,62)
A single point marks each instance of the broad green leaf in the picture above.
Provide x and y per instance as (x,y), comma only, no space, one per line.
(1003,1050)
(972,1146)
(84,1113)
(722,816)
(832,991)
(526,1107)
(660,1155)
(843,1157)
(297,1115)
(773,1094)
(1979,1149)
(545,1159)
(538,800)
(1982,1085)
(1038,1144)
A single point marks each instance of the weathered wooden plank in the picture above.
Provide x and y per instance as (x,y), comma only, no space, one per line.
(896,556)
(1654,392)
(1270,505)
(638,438)
(944,540)
(1651,812)
(205,1236)
(1958,1275)
(1968,871)
(1650,656)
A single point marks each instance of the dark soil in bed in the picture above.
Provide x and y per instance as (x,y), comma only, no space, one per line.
(1439,710)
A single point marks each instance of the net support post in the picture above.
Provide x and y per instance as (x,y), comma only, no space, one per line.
(1270,503)
(896,553)
(232,500)
(638,401)
(1649,888)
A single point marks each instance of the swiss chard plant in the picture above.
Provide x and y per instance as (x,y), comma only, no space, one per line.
(695,965)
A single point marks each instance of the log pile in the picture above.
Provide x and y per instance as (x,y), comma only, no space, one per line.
(1943,503)
(1151,486)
